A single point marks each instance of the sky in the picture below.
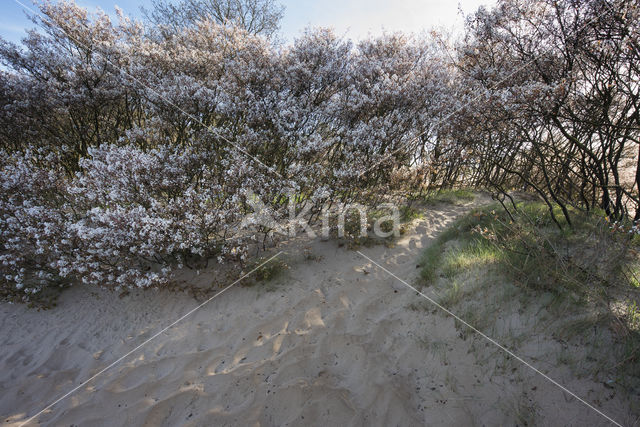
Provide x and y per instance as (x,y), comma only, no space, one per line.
(355,19)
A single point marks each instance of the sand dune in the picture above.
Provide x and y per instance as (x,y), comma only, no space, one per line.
(332,342)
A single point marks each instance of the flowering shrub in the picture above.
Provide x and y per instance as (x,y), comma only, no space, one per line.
(33,219)
(126,220)
(161,207)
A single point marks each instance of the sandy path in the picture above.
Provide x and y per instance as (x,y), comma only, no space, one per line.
(334,343)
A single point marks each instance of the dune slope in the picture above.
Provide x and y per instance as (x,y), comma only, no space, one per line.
(335,340)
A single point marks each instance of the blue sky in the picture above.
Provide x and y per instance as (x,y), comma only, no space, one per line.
(352,18)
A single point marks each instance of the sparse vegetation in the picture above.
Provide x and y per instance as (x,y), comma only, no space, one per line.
(265,273)
(408,213)
(309,255)
(576,280)
(524,410)
(456,196)
(452,196)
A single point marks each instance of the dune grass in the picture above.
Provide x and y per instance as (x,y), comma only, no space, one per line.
(583,278)
(452,196)
(457,196)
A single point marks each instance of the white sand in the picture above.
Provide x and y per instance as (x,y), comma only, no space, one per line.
(331,343)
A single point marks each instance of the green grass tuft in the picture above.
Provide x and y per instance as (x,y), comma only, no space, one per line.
(409,213)
(458,196)
(453,196)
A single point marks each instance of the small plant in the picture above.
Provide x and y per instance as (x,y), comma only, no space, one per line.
(409,213)
(267,272)
(452,295)
(308,255)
